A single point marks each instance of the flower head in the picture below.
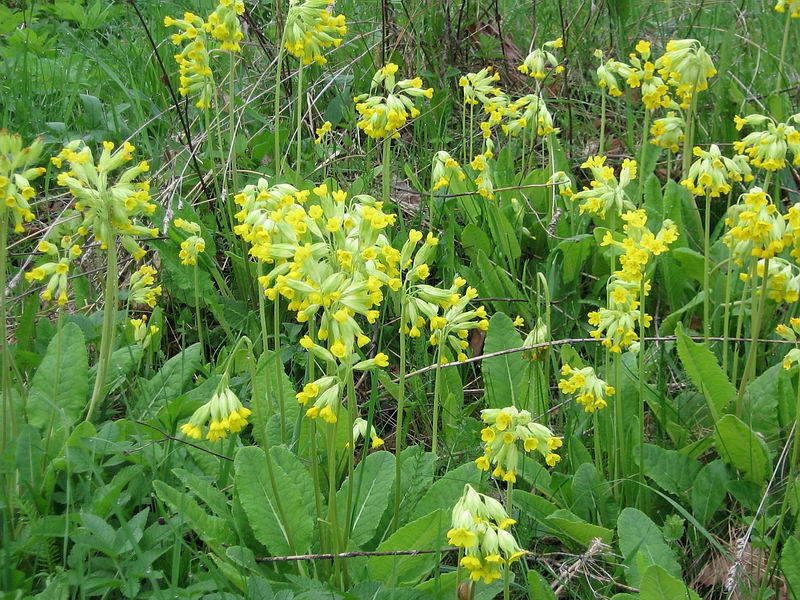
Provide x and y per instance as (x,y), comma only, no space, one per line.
(311,28)
(590,391)
(16,174)
(225,412)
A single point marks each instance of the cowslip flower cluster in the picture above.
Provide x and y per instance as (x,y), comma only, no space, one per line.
(668,132)
(192,245)
(142,288)
(444,168)
(501,451)
(756,228)
(607,192)
(110,207)
(529,112)
(617,323)
(792,5)
(484,168)
(361,429)
(590,391)
(538,335)
(783,279)
(606,77)
(541,61)
(767,148)
(142,332)
(640,73)
(479,88)
(322,132)
(16,174)
(687,67)
(56,269)
(223,24)
(226,414)
(382,116)
(311,28)
(790,333)
(194,59)
(711,174)
(479,525)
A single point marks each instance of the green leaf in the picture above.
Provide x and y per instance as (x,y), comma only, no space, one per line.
(738,445)
(706,374)
(426,533)
(790,566)
(60,387)
(502,374)
(691,262)
(576,528)
(657,584)
(269,375)
(446,491)
(592,496)
(670,322)
(761,405)
(212,530)
(708,491)
(214,499)
(638,535)
(373,482)
(172,379)
(122,362)
(278,516)
(538,587)
(445,586)
(417,476)
(673,471)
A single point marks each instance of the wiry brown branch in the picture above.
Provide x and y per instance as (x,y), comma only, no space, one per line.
(665,338)
(267,559)
(175,439)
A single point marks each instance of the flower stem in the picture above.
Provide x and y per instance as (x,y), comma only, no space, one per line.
(276,111)
(386,163)
(9,418)
(299,126)
(276,331)
(398,442)
(601,145)
(436,387)
(198,322)
(706,266)
(107,332)
(755,328)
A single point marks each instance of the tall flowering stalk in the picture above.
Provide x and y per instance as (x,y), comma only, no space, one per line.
(110,205)
(17,172)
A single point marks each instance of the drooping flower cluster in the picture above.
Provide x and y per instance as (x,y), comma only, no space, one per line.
(479,88)
(110,207)
(479,525)
(668,132)
(361,429)
(143,288)
(225,411)
(590,391)
(192,245)
(790,333)
(16,174)
(792,5)
(687,67)
(445,167)
(617,324)
(783,279)
(712,174)
(194,59)
(541,61)
(56,269)
(142,332)
(311,28)
(382,116)
(756,228)
(606,77)
(767,148)
(640,73)
(606,192)
(528,113)
(501,451)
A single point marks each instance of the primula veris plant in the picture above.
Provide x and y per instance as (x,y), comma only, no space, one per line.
(509,432)
(479,525)
(606,192)
(223,414)
(590,391)
(55,270)
(382,116)
(542,61)
(311,28)
(767,149)
(17,171)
